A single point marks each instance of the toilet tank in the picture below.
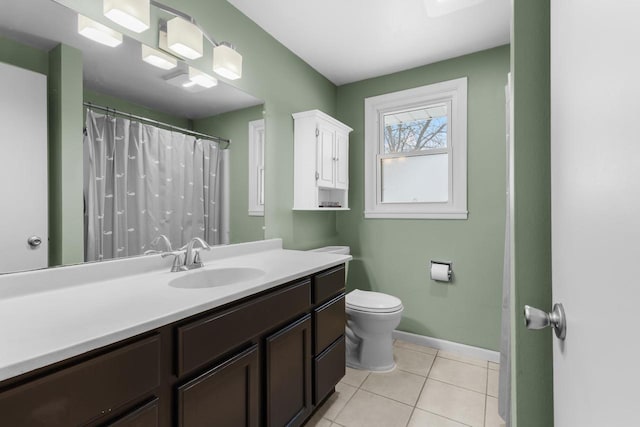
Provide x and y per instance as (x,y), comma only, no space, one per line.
(343,250)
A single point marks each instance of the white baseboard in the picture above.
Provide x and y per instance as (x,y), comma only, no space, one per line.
(454,347)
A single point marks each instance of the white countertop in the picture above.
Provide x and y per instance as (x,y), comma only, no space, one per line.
(50,315)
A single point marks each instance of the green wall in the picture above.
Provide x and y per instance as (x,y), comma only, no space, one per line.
(234,126)
(66,208)
(23,56)
(392,255)
(533,361)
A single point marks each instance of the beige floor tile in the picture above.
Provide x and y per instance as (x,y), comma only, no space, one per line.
(453,402)
(370,410)
(494,366)
(421,418)
(354,377)
(492,383)
(334,404)
(492,419)
(460,374)
(465,359)
(398,385)
(413,361)
(415,347)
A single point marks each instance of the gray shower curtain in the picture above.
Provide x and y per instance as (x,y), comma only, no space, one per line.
(141,181)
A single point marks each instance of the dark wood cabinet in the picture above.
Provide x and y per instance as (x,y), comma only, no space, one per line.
(204,340)
(225,396)
(265,360)
(87,391)
(146,415)
(288,374)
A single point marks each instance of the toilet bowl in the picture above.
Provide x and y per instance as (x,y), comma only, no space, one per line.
(371,319)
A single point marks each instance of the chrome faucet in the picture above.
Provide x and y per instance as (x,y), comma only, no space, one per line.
(188,257)
(154,243)
(192,254)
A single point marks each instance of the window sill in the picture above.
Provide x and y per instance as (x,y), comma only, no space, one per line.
(256,213)
(416,215)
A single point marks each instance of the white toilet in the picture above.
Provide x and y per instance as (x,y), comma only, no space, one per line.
(371,318)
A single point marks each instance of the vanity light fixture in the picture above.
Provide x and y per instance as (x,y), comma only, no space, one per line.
(158,59)
(131,14)
(97,32)
(227,62)
(184,38)
(202,79)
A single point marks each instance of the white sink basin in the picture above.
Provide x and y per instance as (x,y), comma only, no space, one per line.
(213,278)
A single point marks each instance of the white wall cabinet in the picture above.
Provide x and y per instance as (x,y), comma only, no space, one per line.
(321,162)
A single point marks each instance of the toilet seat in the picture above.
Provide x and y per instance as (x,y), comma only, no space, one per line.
(372,302)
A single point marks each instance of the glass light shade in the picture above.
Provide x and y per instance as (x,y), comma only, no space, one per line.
(227,62)
(202,79)
(97,32)
(158,59)
(131,14)
(184,38)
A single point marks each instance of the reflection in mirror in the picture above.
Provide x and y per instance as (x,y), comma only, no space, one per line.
(139,121)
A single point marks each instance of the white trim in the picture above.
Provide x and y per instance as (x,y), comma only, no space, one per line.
(454,347)
(256,166)
(453,91)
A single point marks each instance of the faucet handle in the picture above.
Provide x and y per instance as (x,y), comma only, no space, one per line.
(178,260)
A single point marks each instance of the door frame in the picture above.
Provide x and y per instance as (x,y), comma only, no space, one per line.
(532,358)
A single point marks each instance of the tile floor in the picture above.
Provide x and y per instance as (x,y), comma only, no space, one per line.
(429,388)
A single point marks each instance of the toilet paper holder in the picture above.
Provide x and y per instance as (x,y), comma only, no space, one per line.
(449,270)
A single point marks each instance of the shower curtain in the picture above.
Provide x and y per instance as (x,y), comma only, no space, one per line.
(141,181)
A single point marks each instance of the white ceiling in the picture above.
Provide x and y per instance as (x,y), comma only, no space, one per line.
(352,40)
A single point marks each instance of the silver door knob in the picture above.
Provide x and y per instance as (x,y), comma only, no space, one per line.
(34,241)
(535,318)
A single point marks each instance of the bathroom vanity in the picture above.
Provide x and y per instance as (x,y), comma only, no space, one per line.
(263,350)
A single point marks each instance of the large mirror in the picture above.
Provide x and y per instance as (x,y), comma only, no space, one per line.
(61,185)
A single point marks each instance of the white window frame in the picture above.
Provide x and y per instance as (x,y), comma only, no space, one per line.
(256,167)
(452,92)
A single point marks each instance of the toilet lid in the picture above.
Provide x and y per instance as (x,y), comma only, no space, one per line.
(375,302)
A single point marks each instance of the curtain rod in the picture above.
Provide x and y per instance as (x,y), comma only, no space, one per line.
(158,123)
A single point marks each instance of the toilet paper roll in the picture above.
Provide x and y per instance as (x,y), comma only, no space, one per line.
(440,272)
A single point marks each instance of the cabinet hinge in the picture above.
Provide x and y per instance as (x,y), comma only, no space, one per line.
(317,176)
(317,132)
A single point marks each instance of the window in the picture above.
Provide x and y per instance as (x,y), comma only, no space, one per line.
(416,152)
(256,168)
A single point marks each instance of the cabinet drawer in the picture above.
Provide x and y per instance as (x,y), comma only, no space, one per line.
(204,340)
(225,396)
(144,416)
(329,368)
(329,321)
(328,284)
(87,391)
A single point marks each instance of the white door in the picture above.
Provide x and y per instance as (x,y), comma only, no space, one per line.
(595,164)
(23,169)
(325,162)
(342,160)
